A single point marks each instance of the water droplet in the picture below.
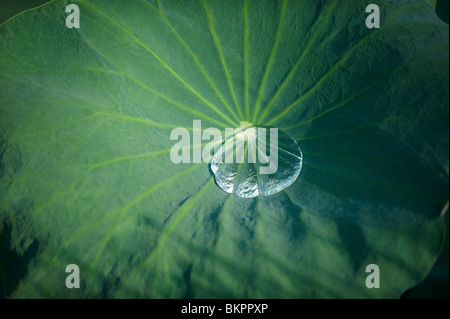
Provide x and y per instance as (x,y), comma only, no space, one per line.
(257,161)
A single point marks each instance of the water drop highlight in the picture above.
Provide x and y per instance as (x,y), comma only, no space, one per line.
(257,161)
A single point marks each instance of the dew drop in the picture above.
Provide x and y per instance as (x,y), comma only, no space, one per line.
(263,162)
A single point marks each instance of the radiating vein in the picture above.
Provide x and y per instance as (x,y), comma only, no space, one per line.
(131,204)
(269,63)
(167,231)
(338,106)
(222,58)
(106,216)
(60,193)
(127,158)
(89,169)
(146,87)
(95,115)
(312,89)
(292,72)
(343,103)
(218,231)
(54,129)
(246,30)
(339,63)
(196,60)
(161,61)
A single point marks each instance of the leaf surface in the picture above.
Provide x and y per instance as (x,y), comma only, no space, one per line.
(86,116)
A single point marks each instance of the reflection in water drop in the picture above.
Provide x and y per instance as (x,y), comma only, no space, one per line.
(259,161)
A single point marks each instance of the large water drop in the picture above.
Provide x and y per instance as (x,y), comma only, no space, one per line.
(257,161)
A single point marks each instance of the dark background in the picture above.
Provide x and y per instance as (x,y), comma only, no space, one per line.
(442,10)
(436,285)
(9,8)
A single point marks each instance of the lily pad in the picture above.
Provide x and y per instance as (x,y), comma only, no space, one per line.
(86,175)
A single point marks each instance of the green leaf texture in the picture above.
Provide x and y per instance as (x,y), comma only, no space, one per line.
(86,176)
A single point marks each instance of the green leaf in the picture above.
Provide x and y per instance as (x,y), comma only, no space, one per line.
(86,175)
(433,3)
